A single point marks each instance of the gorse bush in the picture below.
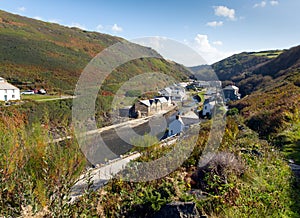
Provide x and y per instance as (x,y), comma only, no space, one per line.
(34,172)
(232,112)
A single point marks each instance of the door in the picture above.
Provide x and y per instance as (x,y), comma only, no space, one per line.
(5,97)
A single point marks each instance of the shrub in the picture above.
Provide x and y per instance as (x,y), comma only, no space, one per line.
(217,170)
(233,111)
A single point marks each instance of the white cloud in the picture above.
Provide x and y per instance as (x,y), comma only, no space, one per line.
(182,53)
(77,25)
(99,28)
(54,21)
(223,11)
(116,28)
(274,3)
(215,23)
(260,5)
(208,51)
(197,51)
(38,18)
(22,9)
(218,43)
(203,43)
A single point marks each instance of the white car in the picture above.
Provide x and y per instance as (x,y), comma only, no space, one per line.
(42,91)
(27,92)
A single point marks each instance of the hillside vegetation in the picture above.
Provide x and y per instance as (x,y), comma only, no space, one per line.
(37,54)
(272,104)
(247,178)
(34,53)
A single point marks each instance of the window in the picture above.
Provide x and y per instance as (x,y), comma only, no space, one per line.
(13,96)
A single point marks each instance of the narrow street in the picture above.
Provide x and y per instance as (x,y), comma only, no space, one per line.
(100,176)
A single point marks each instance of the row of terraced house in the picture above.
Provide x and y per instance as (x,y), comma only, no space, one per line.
(144,108)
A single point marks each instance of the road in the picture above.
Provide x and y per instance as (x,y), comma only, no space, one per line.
(54,99)
(100,176)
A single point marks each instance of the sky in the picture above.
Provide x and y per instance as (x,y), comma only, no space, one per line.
(215,29)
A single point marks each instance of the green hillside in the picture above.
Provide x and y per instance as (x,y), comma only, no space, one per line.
(272,104)
(39,54)
(235,68)
(238,65)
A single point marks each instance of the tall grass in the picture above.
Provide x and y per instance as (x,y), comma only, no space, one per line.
(34,173)
(36,177)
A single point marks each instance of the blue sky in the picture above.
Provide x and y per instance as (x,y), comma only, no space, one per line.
(214,28)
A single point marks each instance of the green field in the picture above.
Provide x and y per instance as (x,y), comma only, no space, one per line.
(39,97)
(268,54)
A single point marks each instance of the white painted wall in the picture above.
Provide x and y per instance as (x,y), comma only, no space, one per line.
(9,94)
(207,108)
(176,127)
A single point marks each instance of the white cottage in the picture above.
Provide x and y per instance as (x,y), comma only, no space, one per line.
(175,92)
(208,107)
(176,127)
(8,92)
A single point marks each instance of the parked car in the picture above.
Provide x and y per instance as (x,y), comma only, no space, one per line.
(27,92)
(42,91)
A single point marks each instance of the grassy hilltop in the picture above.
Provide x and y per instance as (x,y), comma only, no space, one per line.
(37,53)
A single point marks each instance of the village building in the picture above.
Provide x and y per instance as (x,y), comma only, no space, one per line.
(215,83)
(8,92)
(231,93)
(189,118)
(165,102)
(208,107)
(144,108)
(125,111)
(175,92)
(201,84)
(183,84)
(176,127)
(182,122)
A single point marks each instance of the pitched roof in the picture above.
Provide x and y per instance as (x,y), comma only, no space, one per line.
(231,88)
(168,90)
(145,102)
(191,115)
(179,120)
(162,100)
(6,85)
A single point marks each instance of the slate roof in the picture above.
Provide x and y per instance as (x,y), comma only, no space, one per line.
(5,85)
(231,88)
(162,100)
(145,102)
